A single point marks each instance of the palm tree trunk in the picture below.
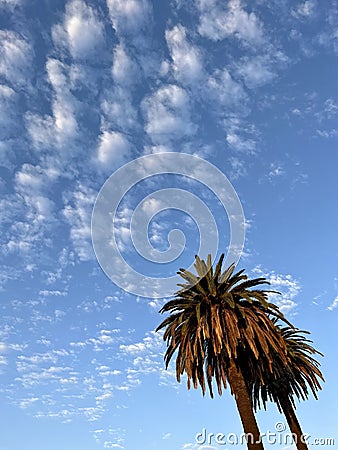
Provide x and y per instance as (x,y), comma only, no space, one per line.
(244,406)
(293,423)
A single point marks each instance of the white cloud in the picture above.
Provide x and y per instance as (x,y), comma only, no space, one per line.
(64,260)
(111,438)
(125,70)
(218,22)
(31,180)
(78,214)
(113,149)
(330,108)
(304,10)
(152,344)
(87,78)
(327,134)
(8,273)
(259,70)
(122,229)
(61,128)
(3,347)
(129,16)
(197,446)
(8,115)
(146,358)
(57,76)
(16,57)
(47,293)
(256,71)
(237,142)
(63,103)
(34,212)
(85,31)
(225,93)
(10,3)
(168,115)
(110,444)
(81,32)
(240,136)
(118,110)
(187,61)
(31,183)
(40,129)
(151,206)
(286,285)
(6,92)
(238,168)
(27,402)
(276,170)
(333,305)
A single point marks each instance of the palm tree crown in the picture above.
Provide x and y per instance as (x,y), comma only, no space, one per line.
(292,380)
(213,316)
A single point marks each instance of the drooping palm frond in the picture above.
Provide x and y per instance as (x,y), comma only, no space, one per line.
(215,315)
(296,379)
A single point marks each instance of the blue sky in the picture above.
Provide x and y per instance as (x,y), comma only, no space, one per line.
(86,87)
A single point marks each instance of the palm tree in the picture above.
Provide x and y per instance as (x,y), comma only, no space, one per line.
(286,381)
(214,317)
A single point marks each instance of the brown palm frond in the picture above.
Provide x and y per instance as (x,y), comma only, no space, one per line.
(216,316)
(295,379)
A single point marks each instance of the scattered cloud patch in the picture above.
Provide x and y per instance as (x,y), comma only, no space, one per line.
(34,213)
(85,31)
(81,33)
(152,342)
(218,22)
(16,58)
(168,114)
(327,134)
(305,10)
(48,293)
(226,95)
(3,347)
(333,305)
(114,148)
(240,136)
(129,16)
(166,436)
(10,3)
(64,104)
(238,168)
(77,213)
(119,110)
(61,128)
(259,70)
(125,70)
(276,170)
(255,72)
(187,62)
(8,119)
(288,287)
(237,142)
